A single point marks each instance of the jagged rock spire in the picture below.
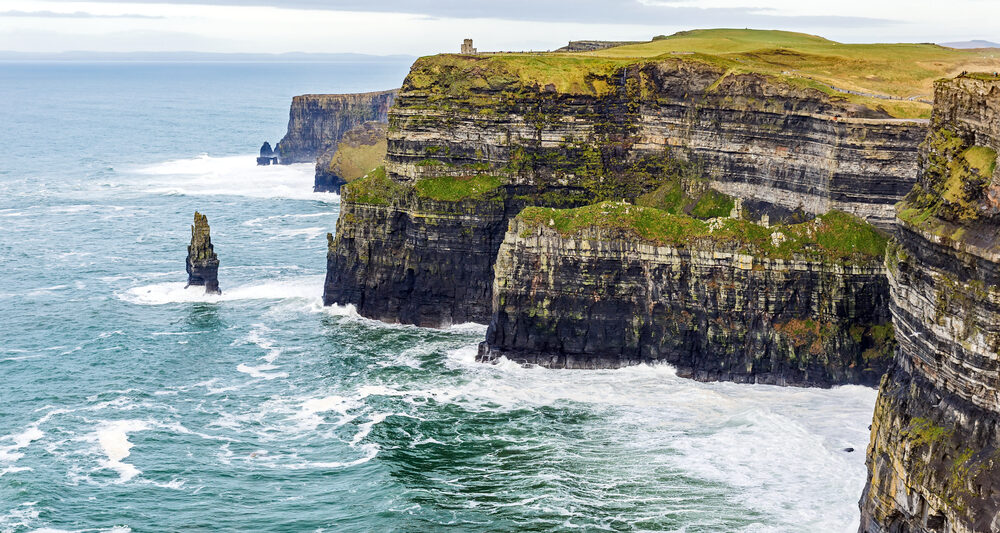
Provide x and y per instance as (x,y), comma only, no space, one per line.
(202,263)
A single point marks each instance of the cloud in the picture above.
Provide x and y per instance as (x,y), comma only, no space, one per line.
(575,11)
(75,14)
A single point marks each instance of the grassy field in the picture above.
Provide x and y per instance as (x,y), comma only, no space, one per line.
(834,236)
(888,70)
(897,69)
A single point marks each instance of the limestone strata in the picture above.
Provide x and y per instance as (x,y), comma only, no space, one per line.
(359,151)
(753,136)
(415,260)
(202,262)
(604,299)
(775,144)
(316,122)
(934,457)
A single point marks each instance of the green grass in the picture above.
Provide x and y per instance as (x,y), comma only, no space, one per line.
(800,60)
(454,189)
(375,188)
(353,160)
(953,187)
(672,198)
(834,236)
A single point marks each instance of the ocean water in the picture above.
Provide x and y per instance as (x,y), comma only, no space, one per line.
(128,403)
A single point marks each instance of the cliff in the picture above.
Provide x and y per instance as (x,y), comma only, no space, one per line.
(316,122)
(617,284)
(361,150)
(568,130)
(202,264)
(934,457)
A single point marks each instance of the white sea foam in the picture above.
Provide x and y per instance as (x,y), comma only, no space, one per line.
(313,409)
(113,439)
(304,287)
(232,175)
(261,371)
(779,449)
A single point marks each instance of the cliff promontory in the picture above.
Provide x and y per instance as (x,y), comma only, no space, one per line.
(572,129)
(934,457)
(725,299)
(316,122)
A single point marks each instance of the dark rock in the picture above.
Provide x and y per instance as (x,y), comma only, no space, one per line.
(202,263)
(848,450)
(607,299)
(267,156)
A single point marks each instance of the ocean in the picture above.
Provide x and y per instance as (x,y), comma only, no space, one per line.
(128,403)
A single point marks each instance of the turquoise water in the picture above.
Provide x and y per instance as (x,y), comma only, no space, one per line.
(128,403)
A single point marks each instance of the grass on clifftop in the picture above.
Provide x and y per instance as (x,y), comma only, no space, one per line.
(360,152)
(953,188)
(833,236)
(897,70)
(376,188)
(672,198)
(456,188)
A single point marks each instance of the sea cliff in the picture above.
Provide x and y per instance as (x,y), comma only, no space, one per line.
(934,457)
(316,122)
(565,130)
(618,284)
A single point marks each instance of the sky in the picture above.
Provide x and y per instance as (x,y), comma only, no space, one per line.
(419,27)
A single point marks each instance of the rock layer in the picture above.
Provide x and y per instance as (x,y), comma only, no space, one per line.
(316,122)
(202,263)
(618,136)
(604,298)
(934,457)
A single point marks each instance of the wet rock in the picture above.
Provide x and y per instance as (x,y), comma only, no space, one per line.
(202,263)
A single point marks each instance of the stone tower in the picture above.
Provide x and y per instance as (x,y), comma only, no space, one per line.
(467,47)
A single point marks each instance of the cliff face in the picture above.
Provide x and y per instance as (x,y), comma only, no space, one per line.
(716,308)
(414,256)
(934,458)
(360,150)
(316,122)
(613,132)
(202,264)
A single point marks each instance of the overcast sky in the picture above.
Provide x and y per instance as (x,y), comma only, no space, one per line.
(418,27)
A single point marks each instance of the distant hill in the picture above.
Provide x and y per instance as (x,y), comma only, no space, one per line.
(290,57)
(977,43)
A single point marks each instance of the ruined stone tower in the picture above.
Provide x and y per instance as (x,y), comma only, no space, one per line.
(467,47)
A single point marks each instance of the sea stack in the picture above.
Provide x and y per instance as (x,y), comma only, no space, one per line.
(202,263)
(267,156)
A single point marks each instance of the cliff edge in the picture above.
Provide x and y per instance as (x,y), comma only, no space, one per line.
(934,457)
(317,122)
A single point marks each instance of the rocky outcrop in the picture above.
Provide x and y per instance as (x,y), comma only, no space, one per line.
(934,457)
(316,122)
(267,156)
(612,132)
(360,150)
(202,263)
(414,257)
(701,296)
